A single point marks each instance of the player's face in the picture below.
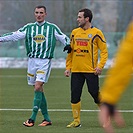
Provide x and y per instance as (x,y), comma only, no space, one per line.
(81,20)
(40,14)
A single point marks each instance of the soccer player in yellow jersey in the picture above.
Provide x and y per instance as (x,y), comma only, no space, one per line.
(82,62)
(115,84)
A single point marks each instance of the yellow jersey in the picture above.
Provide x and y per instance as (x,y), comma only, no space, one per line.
(85,46)
(120,74)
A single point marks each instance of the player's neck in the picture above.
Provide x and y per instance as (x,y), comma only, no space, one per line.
(87,26)
(41,23)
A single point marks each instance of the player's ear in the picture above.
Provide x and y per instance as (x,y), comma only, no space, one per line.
(87,19)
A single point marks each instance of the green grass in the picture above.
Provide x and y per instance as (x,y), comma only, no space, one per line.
(16,94)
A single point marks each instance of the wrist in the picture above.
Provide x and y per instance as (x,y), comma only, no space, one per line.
(111,108)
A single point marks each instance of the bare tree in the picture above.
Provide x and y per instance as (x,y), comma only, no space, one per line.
(71,8)
(125,13)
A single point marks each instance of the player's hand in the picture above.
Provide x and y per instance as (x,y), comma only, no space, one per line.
(98,71)
(107,113)
(67,48)
(67,73)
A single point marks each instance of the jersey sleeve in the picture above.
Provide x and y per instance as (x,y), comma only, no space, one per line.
(101,42)
(13,36)
(61,36)
(69,56)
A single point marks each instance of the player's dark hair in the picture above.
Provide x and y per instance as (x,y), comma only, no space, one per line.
(41,7)
(87,13)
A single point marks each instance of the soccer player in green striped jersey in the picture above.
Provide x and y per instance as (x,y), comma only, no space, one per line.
(40,40)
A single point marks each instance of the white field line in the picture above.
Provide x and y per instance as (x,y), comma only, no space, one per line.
(64,110)
(51,76)
(53,110)
(22,76)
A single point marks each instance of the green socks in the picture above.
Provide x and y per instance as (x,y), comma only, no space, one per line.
(36,104)
(44,109)
(40,102)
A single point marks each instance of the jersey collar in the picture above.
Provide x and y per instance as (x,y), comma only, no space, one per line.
(40,24)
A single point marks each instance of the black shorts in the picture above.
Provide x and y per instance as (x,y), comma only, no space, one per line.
(77,82)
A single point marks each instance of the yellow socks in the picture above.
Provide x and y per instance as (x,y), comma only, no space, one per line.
(76,111)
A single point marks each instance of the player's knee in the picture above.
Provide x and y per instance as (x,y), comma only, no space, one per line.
(38,86)
(73,100)
(96,97)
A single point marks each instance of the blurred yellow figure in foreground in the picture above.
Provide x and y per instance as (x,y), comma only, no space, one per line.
(117,81)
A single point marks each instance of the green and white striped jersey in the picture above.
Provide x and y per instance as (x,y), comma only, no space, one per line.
(40,40)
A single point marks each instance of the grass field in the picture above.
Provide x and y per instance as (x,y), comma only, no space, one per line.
(16,104)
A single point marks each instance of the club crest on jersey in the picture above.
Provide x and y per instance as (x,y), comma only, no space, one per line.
(39,39)
(90,35)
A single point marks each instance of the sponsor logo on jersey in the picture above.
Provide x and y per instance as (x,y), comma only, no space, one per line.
(80,50)
(39,39)
(82,42)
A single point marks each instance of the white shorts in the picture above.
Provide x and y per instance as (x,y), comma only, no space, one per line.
(38,70)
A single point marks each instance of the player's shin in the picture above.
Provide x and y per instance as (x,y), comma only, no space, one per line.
(44,109)
(76,111)
(36,104)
